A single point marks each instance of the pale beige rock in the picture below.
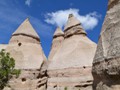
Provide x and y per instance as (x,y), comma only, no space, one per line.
(73,27)
(71,65)
(58,32)
(26,29)
(25,48)
(73,53)
(106,62)
(3,46)
(58,38)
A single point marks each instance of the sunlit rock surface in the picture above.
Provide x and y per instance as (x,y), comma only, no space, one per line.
(71,65)
(24,46)
(58,38)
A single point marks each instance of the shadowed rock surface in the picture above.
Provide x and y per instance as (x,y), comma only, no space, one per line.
(25,48)
(106,64)
(71,65)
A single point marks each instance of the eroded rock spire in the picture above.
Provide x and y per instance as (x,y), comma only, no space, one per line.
(25,48)
(73,26)
(58,38)
(26,29)
(71,65)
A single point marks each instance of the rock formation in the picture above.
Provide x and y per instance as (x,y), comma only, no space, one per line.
(58,38)
(3,46)
(106,64)
(70,67)
(25,48)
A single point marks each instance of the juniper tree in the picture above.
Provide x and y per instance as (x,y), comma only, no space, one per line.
(7,69)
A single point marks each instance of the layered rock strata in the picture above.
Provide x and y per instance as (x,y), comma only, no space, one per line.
(106,64)
(70,67)
(25,48)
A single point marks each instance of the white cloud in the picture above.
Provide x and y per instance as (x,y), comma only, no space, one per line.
(28,2)
(59,18)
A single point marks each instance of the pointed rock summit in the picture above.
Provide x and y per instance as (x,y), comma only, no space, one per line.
(24,46)
(26,29)
(58,38)
(72,21)
(106,64)
(71,65)
(21,45)
(73,26)
(58,32)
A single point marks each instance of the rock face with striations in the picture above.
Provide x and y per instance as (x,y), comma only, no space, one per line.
(58,38)
(25,48)
(106,64)
(70,68)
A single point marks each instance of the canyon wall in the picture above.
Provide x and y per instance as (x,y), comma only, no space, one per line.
(106,64)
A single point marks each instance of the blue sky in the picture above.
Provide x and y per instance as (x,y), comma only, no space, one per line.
(46,15)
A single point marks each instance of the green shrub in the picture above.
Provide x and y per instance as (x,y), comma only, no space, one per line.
(65,88)
(7,65)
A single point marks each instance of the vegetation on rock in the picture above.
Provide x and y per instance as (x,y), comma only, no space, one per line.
(65,88)
(7,69)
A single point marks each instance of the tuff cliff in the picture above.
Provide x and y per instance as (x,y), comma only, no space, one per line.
(106,64)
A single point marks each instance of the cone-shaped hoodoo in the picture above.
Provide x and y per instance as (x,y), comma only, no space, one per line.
(71,65)
(25,48)
(58,38)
